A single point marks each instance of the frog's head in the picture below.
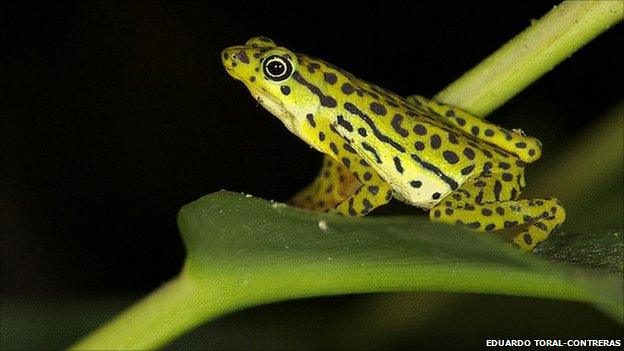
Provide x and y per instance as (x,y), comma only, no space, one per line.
(272,75)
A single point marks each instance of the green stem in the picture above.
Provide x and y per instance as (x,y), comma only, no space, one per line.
(187,301)
(168,312)
(531,54)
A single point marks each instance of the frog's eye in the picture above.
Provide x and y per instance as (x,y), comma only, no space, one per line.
(277,68)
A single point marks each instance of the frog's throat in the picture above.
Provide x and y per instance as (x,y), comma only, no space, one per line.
(276,108)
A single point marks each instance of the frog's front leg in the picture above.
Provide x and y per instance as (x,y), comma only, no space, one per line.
(372,193)
(333,184)
(528,149)
(488,203)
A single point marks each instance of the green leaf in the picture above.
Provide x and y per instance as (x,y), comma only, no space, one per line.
(603,250)
(245,251)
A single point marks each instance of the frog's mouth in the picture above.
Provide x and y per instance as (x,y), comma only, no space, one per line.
(274,106)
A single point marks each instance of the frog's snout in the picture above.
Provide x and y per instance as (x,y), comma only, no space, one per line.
(239,62)
(234,56)
(226,59)
(224,56)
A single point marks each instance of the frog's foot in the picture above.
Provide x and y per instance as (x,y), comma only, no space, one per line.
(538,218)
(528,149)
(332,185)
(489,203)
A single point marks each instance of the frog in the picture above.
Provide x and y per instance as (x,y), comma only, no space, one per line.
(378,146)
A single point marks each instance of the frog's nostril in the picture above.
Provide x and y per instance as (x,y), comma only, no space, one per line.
(240,56)
(227,56)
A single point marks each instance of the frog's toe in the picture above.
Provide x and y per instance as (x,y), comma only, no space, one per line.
(550,219)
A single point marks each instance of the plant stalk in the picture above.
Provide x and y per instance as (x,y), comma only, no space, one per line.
(166,313)
(531,54)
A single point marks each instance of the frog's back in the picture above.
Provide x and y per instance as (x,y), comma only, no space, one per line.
(413,148)
(419,128)
(407,122)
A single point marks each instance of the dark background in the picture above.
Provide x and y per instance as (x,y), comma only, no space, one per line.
(114,115)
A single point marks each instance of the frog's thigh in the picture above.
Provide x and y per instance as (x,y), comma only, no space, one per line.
(333,184)
(372,193)
(485,213)
(527,148)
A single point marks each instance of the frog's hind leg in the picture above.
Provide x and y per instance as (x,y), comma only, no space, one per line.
(372,192)
(333,184)
(539,217)
(528,149)
(484,204)
(348,187)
